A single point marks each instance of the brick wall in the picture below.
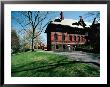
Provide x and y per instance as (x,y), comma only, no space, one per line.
(80,39)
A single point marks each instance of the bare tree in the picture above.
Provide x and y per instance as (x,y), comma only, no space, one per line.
(36,20)
(94,31)
(93,14)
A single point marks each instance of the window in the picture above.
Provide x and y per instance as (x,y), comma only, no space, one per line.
(70,37)
(81,38)
(86,33)
(55,36)
(78,38)
(57,47)
(64,47)
(58,29)
(75,38)
(63,36)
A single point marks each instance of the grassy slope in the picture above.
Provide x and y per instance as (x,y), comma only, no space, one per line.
(40,64)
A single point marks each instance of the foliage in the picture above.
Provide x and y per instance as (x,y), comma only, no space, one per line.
(15,45)
(25,47)
(43,64)
(36,20)
(93,45)
(27,38)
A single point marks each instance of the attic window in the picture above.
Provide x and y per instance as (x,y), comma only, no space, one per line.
(57,20)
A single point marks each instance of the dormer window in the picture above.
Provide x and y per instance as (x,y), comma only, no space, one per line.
(57,20)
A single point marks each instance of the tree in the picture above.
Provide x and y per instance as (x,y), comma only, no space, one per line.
(15,45)
(94,32)
(26,40)
(92,15)
(36,20)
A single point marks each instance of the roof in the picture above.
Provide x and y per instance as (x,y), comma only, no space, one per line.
(69,22)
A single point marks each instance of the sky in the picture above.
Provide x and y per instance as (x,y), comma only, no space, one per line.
(67,15)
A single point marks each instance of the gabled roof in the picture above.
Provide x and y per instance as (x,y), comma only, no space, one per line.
(71,23)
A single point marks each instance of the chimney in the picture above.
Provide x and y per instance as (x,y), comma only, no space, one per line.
(61,16)
(81,21)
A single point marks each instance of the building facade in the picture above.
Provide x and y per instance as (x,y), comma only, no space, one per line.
(66,34)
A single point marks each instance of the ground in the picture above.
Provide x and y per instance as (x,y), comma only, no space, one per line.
(79,56)
(54,64)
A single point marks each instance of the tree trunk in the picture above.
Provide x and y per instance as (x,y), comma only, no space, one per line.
(33,39)
(32,44)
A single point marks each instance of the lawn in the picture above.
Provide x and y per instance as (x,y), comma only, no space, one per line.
(42,64)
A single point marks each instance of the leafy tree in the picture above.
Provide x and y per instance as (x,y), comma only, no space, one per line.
(26,40)
(15,45)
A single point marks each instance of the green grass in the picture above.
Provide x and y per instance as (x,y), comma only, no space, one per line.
(42,64)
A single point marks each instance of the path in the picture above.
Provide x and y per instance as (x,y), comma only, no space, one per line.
(80,56)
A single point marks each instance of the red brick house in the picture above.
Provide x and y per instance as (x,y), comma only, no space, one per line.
(66,34)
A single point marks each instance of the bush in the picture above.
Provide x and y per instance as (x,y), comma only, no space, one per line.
(88,48)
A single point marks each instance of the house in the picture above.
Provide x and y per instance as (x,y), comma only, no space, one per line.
(66,34)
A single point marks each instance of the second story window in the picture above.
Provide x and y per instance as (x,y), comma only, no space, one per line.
(81,38)
(63,36)
(70,37)
(78,38)
(75,38)
(55,37)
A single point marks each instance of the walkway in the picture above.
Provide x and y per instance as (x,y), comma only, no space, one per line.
(80,56)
